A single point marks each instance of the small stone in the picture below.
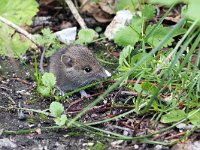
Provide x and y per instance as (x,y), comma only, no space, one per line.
(6,144)
(136,146)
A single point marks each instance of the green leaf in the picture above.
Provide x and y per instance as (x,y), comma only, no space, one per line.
(136,24)
(148,11)
(126,36)
(149,87)
(126,4)
(85,36)
(48,79)
(44,90)
(56,109)
(158,35)
(16,45)
(99,146)
(195,118)
(126,52)
(47,38)
(19,11)
(138,88)
(193,8)
(129,35)
(137,57)
(160,32)
(61,120)
(173,116)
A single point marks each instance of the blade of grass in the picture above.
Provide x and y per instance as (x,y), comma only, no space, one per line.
(176,47)
(168,71)
(115,85)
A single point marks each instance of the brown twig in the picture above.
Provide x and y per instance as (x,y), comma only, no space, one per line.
(81,99)
(163,134)
(76,14)
(100,108)
(175,136)
(22,81)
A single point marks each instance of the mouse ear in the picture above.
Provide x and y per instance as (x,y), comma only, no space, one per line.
(67,60)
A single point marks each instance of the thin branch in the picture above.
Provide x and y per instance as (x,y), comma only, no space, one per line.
(76,14)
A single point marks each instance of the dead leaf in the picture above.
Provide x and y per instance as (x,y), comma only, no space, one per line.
(96,11)
(38,131)
(107,6)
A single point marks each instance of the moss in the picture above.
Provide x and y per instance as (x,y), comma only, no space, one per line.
(99,146)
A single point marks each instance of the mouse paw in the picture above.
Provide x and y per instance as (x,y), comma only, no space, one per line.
(84,94)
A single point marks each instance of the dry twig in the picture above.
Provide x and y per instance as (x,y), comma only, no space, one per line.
(76,14)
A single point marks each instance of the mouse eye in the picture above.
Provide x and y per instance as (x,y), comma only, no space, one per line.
(87,69)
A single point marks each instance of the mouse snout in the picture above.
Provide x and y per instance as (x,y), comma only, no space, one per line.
(104,74)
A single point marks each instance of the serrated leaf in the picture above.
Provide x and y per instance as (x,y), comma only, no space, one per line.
(157,36)
(61,120)
(173,116)
(85,36)
(47,38)
(56,109)
(19,11)
(148,11)
(160,32)
(126,4)
(124,54)
(44,90)
(129,35)
(136,24)
(48,79)
(126,36)
(194,118)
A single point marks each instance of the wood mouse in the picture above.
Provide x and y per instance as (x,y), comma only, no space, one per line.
(74,67)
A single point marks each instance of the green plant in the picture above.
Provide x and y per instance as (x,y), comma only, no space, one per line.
(137,31)
(19,12)
(57,111)
(126,4)
(48,39)
(190,10)
(85,36)
(99,146)
(46,84)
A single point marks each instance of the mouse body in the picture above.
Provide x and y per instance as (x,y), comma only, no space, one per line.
(74,67)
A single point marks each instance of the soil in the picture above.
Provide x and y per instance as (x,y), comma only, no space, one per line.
(23,129)
(16,85)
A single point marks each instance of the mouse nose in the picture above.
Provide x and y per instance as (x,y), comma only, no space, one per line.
(108,73)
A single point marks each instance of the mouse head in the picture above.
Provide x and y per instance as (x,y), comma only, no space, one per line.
(81,66)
